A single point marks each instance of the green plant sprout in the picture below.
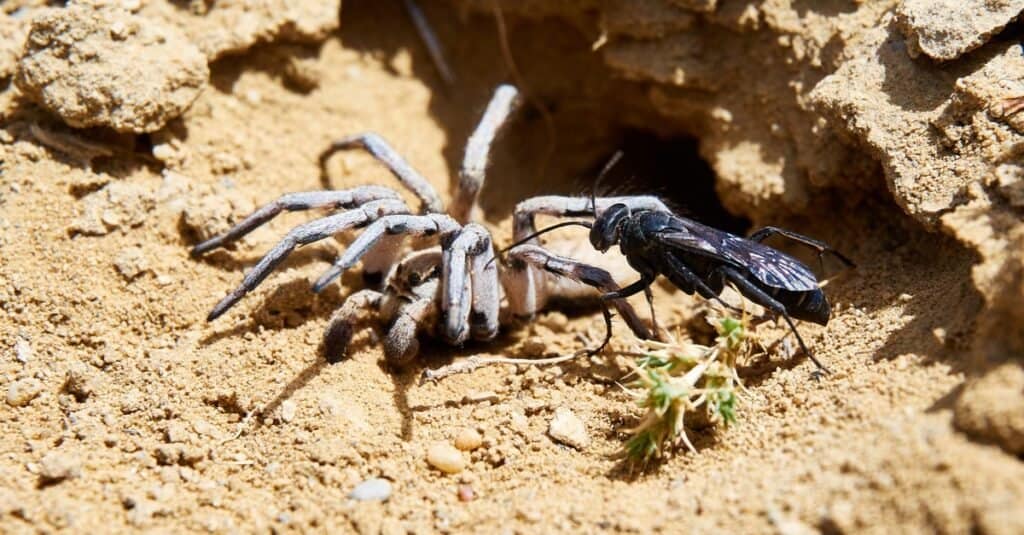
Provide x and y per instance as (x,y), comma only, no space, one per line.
(674,381)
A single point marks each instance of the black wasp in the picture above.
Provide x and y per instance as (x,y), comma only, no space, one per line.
(694,257)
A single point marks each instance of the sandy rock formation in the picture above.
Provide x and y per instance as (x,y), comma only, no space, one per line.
(947,29)
(99,65)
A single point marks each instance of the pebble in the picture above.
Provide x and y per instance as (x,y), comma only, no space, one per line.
(288,409)
(466,493)
(23,350)
(446,458)
(568,429)
(468,439)
(23,391)
(55,467)
(372,490)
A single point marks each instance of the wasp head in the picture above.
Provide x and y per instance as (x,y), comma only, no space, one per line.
(605,231)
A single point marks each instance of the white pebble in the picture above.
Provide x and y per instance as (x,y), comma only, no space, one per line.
(23,391)
(446,458)
(55,467)
(468,440)
(372,490)
(288,409)
(568,429)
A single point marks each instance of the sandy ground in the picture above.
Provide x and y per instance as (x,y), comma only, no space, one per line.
(130,412)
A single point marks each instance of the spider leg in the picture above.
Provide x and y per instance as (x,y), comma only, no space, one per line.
(759,296)
(483,320)
(821,247)
(343,322)
(383,230)
(478,148)
(305,200)
(410,316)
(310,232)
(563,206)
(384,153)
(525,290)
(472,245)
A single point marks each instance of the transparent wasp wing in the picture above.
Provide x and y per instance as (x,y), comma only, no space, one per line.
(773,268)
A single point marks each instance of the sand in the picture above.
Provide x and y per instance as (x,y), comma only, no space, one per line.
(126,411)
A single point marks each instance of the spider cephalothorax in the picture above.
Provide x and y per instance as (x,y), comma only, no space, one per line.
(453,290)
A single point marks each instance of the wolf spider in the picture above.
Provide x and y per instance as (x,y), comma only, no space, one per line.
(454,289)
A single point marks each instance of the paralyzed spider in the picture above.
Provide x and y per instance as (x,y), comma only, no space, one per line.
(452,289)
(694,257)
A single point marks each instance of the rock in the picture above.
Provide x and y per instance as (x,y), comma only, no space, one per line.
(288,409)
(466,493)
(991,408)
(446,458)
(100,65)
(372,490)
(80,381)
(468,439)
(56,467)
(22,350)
(223,28)
(119,204)
(23,391)
(947,29)
(568,429)
(210,215)
(131,262)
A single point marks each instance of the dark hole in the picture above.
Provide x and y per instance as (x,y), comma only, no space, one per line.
(672,169)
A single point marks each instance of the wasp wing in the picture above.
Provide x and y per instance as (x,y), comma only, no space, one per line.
(771,267)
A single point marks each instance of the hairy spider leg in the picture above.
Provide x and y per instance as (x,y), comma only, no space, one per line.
(310,232)
(523,293)
(306,200)
(378,233)
(476,158)
(343,322)
(459,306)
(379,148)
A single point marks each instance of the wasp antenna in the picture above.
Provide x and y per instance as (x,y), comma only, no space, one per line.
(600,177)
(538,233)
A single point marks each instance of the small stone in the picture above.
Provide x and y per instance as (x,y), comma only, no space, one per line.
(22,350)
(23,391)
(176,432)
(468,440)
(372,490)
(533,348)
(131,262)
(80,381)
(568,429)
(446,458)
(466,493)
(288,409)
(56,467)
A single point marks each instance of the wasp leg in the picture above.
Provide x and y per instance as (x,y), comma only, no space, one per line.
(688,281)
(757,295)
(821,247)
(645,281)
